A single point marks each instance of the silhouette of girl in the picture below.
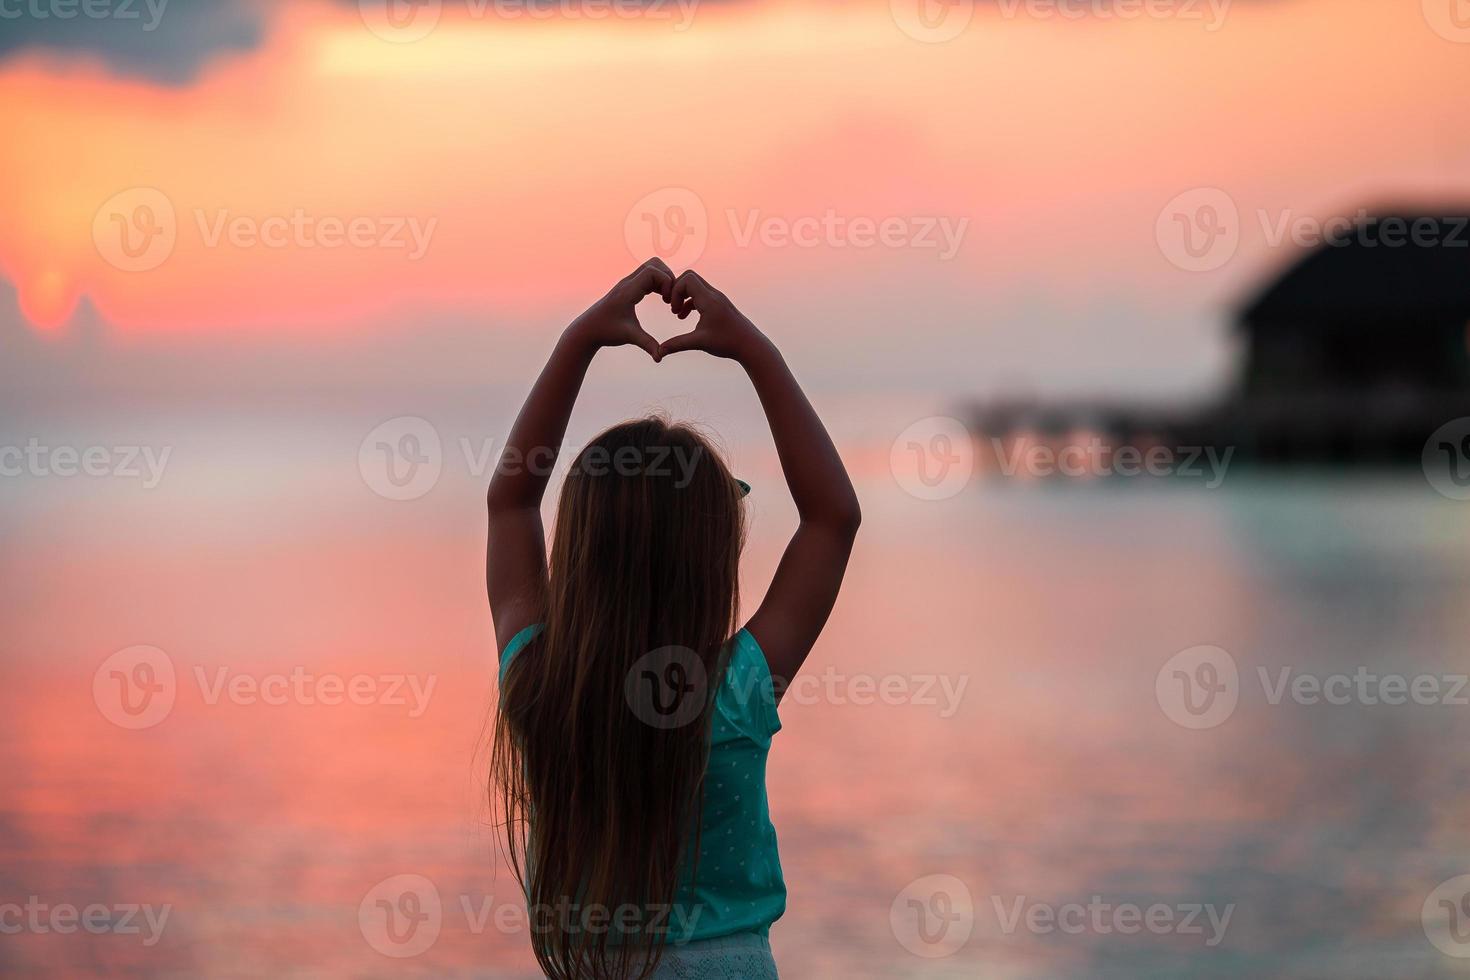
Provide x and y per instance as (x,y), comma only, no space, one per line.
(635,716)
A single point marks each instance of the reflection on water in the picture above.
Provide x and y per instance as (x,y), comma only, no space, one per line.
(985,707)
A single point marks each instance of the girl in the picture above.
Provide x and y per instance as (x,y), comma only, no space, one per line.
(630,745)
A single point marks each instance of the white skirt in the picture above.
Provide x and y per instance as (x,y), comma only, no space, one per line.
(745,956)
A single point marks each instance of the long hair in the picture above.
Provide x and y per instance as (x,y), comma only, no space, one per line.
(598,775)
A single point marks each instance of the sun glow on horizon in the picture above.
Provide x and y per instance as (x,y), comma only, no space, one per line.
(331,176)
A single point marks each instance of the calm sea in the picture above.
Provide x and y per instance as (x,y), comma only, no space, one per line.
(1117,729)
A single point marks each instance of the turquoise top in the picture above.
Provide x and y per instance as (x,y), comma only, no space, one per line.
(739,887)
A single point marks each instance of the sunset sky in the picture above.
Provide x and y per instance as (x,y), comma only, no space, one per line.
(501,170)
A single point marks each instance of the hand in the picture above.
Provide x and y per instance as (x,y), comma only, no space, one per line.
(722,330)
(613,320)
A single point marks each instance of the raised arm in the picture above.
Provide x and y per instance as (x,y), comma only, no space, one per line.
(809,576)
(515,559)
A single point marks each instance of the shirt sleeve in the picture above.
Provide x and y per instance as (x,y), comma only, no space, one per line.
(749,691)
(517,644)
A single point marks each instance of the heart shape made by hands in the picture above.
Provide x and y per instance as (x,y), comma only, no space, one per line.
(657,318)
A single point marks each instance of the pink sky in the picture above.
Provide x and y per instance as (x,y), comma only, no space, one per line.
(501,169)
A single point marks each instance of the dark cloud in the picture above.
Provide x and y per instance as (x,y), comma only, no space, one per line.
(168,41)
(164,40)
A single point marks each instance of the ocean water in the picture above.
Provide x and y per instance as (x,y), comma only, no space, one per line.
(1052,730)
